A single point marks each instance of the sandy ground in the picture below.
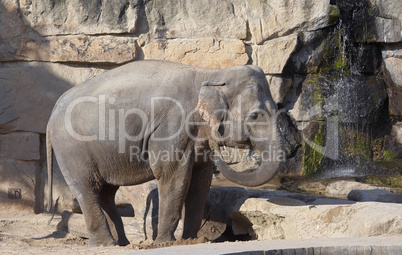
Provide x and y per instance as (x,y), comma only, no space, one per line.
(29,233)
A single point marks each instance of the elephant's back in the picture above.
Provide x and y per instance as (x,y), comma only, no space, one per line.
(140,79)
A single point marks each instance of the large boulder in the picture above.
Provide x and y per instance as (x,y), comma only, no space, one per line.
(343,188)
(266,220)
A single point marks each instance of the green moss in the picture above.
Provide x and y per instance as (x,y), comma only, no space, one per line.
(334,14)
(390,181)
(318,97)
(302,188)
(376,181)
(388,155)
(340,64)
(394,181)
(335,57)
(328,57)
(313,157)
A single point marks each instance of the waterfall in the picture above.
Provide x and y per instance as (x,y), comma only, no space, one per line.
(352,101)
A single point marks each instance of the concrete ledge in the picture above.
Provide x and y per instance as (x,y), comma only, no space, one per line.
(332,246)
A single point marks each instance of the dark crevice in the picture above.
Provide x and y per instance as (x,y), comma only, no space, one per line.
(123,11)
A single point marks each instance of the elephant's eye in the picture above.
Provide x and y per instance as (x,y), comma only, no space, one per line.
(253,116)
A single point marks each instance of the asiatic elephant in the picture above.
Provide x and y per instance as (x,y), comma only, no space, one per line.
(167,121)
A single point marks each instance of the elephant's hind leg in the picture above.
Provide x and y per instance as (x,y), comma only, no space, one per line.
(95,218)
(79,176)
(107,201)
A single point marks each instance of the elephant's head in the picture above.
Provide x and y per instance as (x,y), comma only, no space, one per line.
(241,113)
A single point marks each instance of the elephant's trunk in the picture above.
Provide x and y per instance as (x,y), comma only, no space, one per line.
(270,152)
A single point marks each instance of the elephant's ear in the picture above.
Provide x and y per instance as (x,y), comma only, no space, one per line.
(212,104)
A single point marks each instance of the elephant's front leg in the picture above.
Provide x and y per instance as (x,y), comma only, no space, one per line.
(196,197)
(173,186)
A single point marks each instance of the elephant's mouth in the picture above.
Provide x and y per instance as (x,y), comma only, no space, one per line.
(240,160)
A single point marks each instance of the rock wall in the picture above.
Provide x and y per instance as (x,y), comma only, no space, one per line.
(48,46)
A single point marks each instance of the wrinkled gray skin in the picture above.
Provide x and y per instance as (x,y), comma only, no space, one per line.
(95,169)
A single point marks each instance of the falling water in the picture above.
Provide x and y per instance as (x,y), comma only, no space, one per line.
(352,103)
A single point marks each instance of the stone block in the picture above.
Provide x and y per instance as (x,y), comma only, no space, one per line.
(394,67)
(397,131)
(277,18)
(28,92)
(273,55)
(52,17)
(387,30)
(11,24)
(77,48)
(395,101)
(278,87)
(388,21)
(20,145)
(196,19)
(20,177)
(204,52)
(393,142)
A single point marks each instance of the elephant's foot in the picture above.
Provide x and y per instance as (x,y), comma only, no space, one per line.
(102,241)
(123,241)
(164,239)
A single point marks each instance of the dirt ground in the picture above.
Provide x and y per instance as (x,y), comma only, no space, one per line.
(29,233)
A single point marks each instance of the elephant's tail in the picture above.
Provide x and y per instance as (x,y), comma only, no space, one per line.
(49,157)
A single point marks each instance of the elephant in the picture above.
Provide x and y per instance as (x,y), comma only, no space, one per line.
(161,120)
